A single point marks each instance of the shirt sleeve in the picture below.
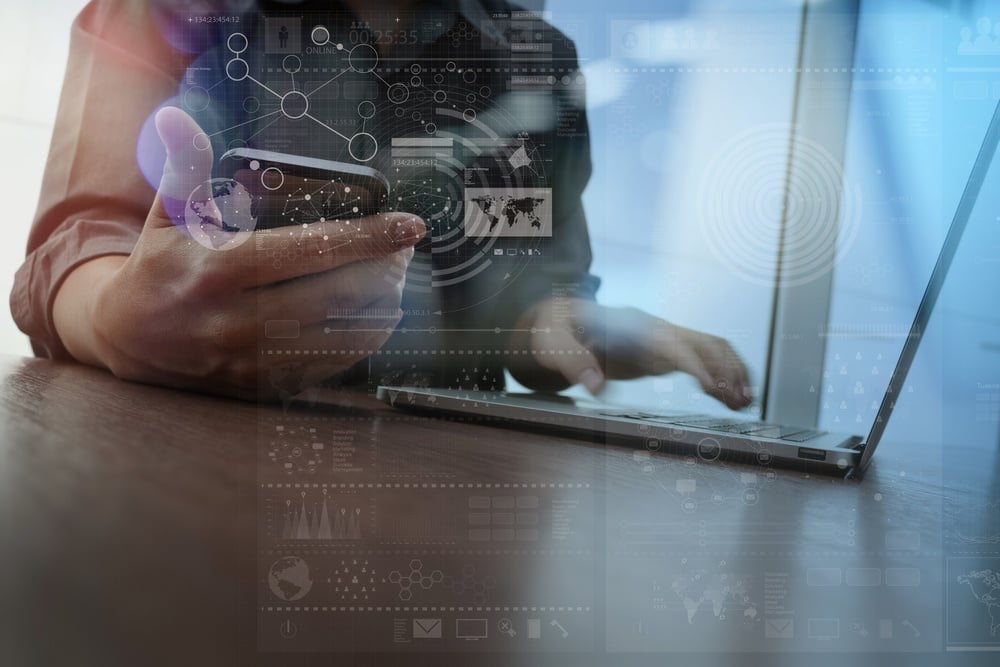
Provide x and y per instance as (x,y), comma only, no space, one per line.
(94,198)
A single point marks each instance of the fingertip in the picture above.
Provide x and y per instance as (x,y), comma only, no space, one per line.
(592,380)
(178,131)
(408,231)
(165,121)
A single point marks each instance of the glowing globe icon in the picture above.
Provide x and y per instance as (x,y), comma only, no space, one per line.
(233,201)
(289,578)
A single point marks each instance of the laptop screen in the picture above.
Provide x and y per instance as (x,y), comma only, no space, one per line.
(921,102)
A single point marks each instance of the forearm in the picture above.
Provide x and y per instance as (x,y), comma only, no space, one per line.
(75,313)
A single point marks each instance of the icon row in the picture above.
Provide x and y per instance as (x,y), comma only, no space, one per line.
(474,629)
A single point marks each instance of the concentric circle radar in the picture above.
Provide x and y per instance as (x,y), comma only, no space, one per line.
(398,93)
(742,195)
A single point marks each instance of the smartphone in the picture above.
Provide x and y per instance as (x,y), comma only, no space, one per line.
(290,189)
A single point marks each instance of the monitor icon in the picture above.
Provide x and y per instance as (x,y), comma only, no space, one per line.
(824,628)
(471,629)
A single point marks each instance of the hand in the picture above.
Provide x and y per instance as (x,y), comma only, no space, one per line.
(579,341)
(181,314)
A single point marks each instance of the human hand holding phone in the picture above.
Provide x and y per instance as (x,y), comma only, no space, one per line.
(181,314)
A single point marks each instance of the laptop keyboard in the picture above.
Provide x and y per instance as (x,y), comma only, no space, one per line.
(728,426)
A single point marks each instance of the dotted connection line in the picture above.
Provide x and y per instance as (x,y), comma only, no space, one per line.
(783,70)
(425,485)
(386,553)
(384,417)
(425,352)
(779,553)
(411,608)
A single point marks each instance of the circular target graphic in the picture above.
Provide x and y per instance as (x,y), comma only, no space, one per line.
(743,198)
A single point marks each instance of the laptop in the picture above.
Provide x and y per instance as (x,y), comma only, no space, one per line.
(714,437)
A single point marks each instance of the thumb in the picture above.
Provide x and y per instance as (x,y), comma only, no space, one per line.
(188,166)
(576,363)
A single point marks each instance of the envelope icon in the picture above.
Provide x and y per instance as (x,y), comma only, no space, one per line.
(779,627)
(427,628)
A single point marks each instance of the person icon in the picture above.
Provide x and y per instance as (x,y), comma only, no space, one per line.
(283,37)
(688,40)
(712,39)
(965,46)
(669,38)
(983,43)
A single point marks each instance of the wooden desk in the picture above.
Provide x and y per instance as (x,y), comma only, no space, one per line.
(143,526)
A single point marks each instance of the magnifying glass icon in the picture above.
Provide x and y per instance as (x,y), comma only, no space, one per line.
(506,627)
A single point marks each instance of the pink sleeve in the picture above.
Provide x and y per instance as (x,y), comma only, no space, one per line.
(94,198)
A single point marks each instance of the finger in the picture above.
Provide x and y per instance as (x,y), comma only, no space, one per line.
(291,252)
(574,361)
(726,369)
(690,361)
(696,362)
(188,166)
(335,294)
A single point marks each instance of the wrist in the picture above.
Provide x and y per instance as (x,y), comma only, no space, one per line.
(77,312)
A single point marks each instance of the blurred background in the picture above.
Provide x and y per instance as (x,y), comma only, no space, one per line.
(34,43)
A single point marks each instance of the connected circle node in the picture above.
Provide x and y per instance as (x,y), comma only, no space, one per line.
(201,141)
(469,115)
(272,178)
(363,147)
(366,109)
(237,69)
(196,98)
(440,96)
(251,104)
(363,58)
(294,104)
(291,64)
(320,35)
(237,43)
